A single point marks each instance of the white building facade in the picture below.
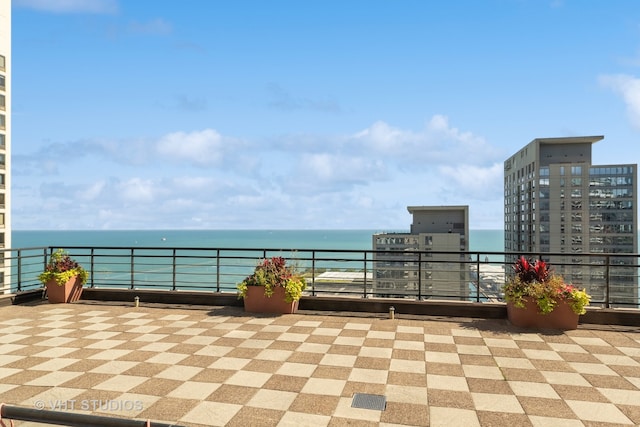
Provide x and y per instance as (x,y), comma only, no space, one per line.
(5,140)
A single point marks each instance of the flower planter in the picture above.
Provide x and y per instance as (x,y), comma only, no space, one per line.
(562,317)
(69,292)
(257,302)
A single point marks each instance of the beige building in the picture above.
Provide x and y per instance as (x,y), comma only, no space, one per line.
(5,140)
(435,231)
(556,201)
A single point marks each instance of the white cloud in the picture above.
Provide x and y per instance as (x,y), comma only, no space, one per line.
(209,180)
(473,182)
(93,191)
(439,125)
(245,201)
(70,6)
(437,143)
(137,190)
(387,139)
(332,167)
(199,147)
(196,183)
(629,88)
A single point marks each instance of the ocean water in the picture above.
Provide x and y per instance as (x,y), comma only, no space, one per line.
(479,240)
(199,271)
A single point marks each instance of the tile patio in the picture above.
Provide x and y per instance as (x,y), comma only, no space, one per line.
(216,366)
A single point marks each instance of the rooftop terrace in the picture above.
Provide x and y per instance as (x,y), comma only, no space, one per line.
(203,366)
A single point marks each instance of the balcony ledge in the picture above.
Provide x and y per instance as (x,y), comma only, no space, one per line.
(342,305)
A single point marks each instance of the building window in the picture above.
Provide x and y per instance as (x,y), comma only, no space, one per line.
(576,170)
(2,140)
(3,62)
(2,82)
(2,102)
(2,121)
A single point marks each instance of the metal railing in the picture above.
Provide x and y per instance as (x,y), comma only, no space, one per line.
(611,279)
(72,419)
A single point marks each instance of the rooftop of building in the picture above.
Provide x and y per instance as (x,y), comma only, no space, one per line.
(570,140)
(413,209)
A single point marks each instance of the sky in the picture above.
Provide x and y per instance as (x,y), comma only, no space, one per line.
(158,114)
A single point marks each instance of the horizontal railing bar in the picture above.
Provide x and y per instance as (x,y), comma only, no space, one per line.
(407,273)
(72,419)
(297,250)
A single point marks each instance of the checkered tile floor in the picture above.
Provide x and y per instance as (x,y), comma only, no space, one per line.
(220,366)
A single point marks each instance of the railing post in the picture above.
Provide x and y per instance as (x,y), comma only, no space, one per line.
(313,273)
(174,269)
(364,287)
(478,277)
(92,263)
(419,276)
(132,269)
(364,282)
(45,257)
(218,270)
(607,290)
(19,254)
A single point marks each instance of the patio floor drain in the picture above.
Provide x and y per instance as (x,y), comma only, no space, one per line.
(369,401)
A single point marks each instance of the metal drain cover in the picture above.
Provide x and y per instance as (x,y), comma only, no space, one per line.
(369,401)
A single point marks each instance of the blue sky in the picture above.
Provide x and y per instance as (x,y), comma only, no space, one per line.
(157,114)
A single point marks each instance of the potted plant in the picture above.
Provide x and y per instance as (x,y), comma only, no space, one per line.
(537,298)
(63,278)
(273,287)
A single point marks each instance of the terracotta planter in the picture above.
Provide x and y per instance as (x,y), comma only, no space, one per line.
(257,302)
(69,292)
(562,317)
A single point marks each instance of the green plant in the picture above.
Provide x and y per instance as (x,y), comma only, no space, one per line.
(271,273)
(536,281)
(61,267)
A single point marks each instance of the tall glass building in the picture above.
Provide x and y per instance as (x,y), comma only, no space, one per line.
(556,201)
(5,140)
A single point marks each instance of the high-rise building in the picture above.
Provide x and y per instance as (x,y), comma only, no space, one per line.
(5,140)
(435,229)
(556,201)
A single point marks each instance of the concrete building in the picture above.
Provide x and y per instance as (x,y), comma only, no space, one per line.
(435,230)
(5,141)
(556,201)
